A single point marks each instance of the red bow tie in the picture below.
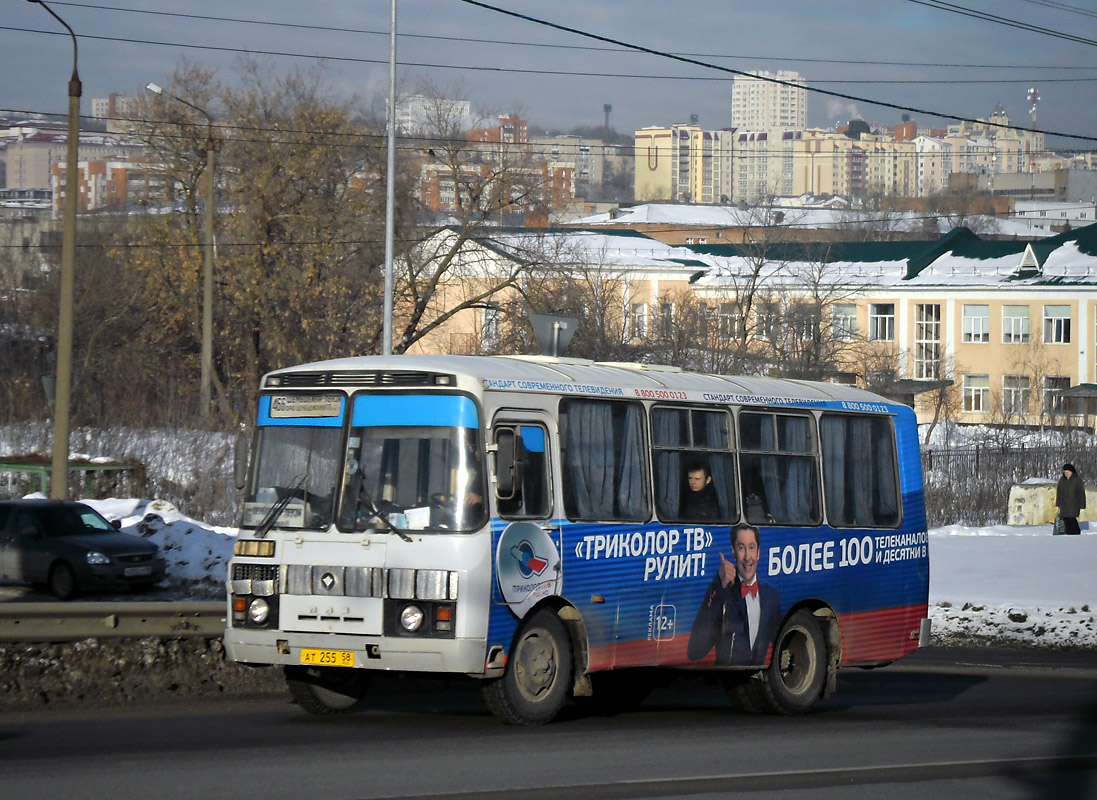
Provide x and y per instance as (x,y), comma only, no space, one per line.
(751,589)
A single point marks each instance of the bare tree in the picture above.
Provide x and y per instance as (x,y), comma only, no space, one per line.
(813,335)
(968,209)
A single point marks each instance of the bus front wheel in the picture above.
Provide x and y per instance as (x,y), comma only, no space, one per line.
(326,690)
(795,678)
(538,676)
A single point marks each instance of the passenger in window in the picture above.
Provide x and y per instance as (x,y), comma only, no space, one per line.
(755,509)
(739,615)
(699,503)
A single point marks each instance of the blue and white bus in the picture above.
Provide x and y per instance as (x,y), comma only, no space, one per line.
(557,527)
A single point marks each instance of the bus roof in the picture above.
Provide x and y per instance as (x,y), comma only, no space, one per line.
(571,375)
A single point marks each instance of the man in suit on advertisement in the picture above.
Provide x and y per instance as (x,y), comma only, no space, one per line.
(739,615)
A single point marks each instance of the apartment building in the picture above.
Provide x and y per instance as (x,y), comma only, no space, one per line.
(683,163)
(420,115)
(106,184)
(588,156)
(31,154)
(117,110)
(765,100)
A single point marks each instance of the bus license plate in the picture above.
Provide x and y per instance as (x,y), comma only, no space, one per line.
(328,658)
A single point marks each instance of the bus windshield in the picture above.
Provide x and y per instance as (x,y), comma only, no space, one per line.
(413,462)
(298,466)
(413,478)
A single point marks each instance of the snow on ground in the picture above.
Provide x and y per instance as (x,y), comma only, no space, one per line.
(1013,585)
(1003,584)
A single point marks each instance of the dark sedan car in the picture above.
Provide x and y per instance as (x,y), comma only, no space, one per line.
(70,548)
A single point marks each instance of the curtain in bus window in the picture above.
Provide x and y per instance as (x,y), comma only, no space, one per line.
(589,450)
(715,433)
(793,434)
(788,482)
(667,432)
(631,500)
(859,471)
(887,486)
(603,453)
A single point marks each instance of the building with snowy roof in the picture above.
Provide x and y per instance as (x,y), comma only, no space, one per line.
(983,331)
(1012,324)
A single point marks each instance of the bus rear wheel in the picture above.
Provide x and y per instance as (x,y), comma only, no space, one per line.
(538,676)
(794,681)
(327,690)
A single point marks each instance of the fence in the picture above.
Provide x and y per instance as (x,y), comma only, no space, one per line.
(970,485)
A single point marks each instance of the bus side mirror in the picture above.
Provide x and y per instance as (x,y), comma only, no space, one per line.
(506,463)
(240,460)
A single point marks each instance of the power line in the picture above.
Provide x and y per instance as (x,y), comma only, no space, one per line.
(1012,23)
(768,79)
(566,73)
(638,48)
(1063,7)
(554,46)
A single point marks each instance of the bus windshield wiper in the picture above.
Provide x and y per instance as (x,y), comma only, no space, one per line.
(377,515)
(365,503)
(276,510)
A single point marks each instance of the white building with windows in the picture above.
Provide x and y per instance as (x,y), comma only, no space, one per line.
(765,100)
(420,115)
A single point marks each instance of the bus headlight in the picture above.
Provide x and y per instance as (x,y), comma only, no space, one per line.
(411,618)
(258,610)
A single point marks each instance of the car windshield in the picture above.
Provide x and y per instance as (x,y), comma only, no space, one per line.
(69,520)
(299,468)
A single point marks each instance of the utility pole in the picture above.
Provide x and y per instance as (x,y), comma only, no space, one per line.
(59,483)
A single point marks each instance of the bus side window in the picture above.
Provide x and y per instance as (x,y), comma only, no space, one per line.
(859,471)
(689,440)
(522,472)
(604,457)
(778,468)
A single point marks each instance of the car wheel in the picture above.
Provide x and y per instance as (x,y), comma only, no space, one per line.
(327,690)
(538,677)
(62,581)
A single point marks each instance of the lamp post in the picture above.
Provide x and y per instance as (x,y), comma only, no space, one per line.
(59,482)
(390,189)
(207,261)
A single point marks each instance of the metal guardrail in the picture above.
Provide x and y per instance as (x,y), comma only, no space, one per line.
(67,622)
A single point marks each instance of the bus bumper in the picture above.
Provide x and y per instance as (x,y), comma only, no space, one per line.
(465,656)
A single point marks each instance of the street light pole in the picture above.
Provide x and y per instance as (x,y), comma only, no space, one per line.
(59,481)
(207,260)
(390,190)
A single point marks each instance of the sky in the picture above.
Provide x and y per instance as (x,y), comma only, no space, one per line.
(911,53)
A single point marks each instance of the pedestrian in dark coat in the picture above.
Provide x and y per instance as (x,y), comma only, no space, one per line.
(1070,497)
